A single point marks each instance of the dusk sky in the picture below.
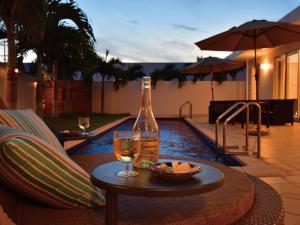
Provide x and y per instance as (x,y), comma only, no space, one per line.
(166,30)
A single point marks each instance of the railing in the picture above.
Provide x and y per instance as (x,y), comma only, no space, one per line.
(237,112)
(258,126)
(233,115)
(190,109)
(222,116)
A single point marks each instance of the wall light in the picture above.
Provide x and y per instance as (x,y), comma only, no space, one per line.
(264,66)
(35,84)
(16,70)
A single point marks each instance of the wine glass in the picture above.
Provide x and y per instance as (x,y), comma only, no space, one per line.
(127,149)
(83,124)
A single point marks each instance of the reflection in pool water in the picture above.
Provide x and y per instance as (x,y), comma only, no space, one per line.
(176,139)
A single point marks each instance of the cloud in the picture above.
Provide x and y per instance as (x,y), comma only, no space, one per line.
(184,27)
(179,44)
(151,48)
(148,50)
(134,22)
(187,28)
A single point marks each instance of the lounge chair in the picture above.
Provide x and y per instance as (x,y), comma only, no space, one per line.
(266,209)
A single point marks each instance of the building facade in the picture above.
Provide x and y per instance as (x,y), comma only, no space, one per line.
(279,69)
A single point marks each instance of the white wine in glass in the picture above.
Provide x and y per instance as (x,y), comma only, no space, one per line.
(83,124)
(126,149)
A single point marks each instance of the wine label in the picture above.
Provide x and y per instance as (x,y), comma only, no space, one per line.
(149,153)
(149,145)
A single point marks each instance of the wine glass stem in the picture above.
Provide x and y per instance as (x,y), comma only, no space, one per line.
(126,167)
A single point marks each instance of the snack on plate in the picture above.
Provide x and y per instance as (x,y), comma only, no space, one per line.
(183,168)
(176,167)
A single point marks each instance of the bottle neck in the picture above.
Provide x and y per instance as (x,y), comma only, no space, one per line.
(146,97)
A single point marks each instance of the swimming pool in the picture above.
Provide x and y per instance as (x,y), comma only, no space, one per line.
(177,138)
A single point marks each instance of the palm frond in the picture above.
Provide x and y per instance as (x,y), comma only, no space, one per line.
(108,68)
(131,73)
(26,15)
(167,73)
(70,11)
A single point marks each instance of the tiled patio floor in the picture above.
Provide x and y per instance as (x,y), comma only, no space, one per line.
(279,164)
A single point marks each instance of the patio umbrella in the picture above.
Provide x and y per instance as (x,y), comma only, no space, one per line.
(212,65)
(253,35)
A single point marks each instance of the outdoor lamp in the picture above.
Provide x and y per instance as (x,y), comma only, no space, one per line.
(264,66)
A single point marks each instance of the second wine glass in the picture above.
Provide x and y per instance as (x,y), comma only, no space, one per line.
(83,124)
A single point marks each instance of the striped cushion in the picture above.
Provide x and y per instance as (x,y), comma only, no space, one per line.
(34,168)
(29,122)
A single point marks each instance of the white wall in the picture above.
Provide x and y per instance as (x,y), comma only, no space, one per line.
(267,77)
(166,98)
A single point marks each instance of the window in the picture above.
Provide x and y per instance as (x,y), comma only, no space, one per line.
(292,78)
(3,50)
(280,78)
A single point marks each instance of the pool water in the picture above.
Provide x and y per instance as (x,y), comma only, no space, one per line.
(176,139)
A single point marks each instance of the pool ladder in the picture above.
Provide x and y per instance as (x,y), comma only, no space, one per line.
(190,109)
(239,106)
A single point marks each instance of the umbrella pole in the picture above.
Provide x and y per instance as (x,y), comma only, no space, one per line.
(247,80)
(212,86)
(256,69)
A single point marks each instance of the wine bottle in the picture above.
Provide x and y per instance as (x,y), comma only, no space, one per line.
(146,124)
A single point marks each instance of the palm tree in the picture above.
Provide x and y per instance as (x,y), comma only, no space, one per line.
(57,13)
(167,73)
(76,56)
(66,43)
(75,51)
(108,68)
(19,15)
(220,77)
(131,73)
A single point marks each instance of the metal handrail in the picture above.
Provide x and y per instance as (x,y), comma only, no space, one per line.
(258,126)
(190,108)
(245,106)
(230,118)
(229,110)
(221,117)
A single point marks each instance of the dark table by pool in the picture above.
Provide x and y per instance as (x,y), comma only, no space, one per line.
(148,185)
(73,136)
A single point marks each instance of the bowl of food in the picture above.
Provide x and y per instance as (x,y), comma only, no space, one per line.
(175,170)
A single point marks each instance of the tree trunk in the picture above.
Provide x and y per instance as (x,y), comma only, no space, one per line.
(12,80)
(54,73)
(39,88)
(102,94)
(212,86)
(66,94)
